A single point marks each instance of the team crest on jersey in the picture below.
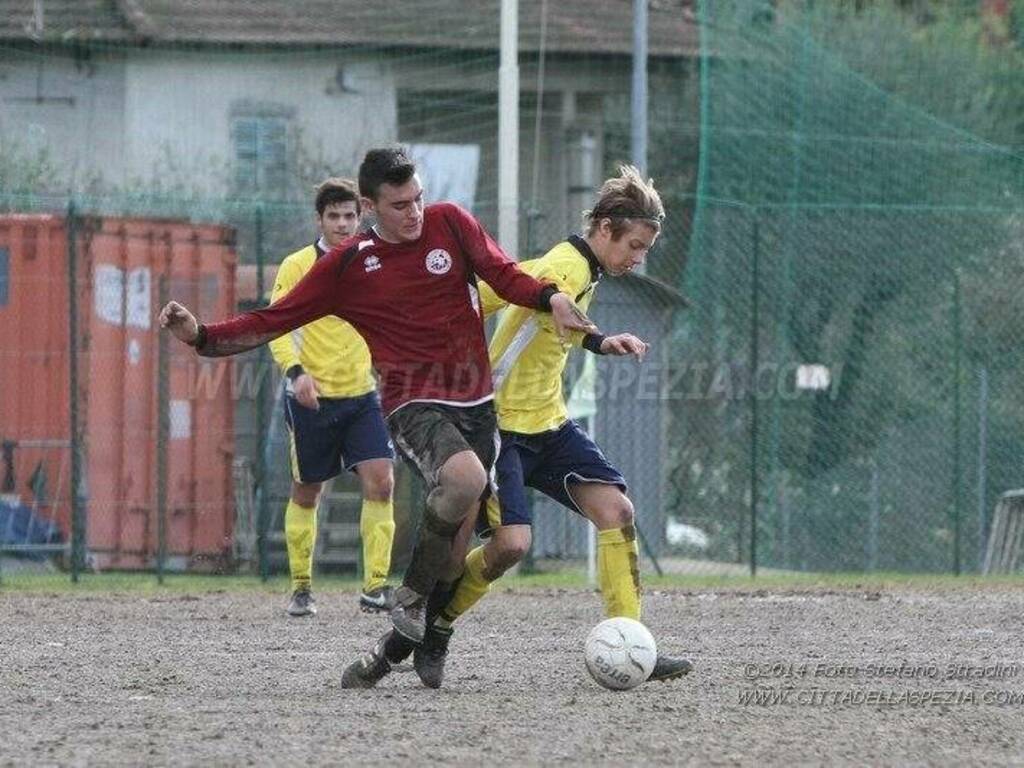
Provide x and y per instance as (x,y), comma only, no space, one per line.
(438,261)
(372,263)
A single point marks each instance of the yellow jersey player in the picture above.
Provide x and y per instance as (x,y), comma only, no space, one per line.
(541,447)
(334,417)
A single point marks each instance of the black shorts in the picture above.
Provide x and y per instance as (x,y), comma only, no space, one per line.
(428,434)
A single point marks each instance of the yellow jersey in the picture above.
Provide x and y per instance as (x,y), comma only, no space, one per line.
(329,349)
(527,357)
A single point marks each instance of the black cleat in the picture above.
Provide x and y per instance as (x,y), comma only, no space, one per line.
(428,658)
(408,615)
(669,668)
(377,600)
(302,603)
(368,670)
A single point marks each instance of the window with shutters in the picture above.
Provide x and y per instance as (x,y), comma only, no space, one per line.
(260,145)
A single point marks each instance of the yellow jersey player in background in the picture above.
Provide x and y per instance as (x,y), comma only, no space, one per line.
(334,418)
(541,447)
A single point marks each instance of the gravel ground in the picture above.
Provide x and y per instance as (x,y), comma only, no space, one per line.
(227,679)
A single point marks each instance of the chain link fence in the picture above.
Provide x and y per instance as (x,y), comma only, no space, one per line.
(831,303)
(850,266)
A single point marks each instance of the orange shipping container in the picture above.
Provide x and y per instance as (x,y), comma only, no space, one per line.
(121,264)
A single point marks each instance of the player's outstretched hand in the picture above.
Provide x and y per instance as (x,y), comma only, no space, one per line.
(306,391)
(179,321)
(568,317)
(625,344)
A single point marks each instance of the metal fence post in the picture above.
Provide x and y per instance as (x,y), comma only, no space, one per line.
(755,321)
(263,474)
(162,432)
(957,408)
(982,463)
(78,493)
(874,516)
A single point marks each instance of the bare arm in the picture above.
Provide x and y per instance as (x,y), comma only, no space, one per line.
(313,297)
(228,337)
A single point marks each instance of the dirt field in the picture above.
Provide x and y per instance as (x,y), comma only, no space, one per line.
(228,679)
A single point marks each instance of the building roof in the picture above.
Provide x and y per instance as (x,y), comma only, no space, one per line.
(573,26)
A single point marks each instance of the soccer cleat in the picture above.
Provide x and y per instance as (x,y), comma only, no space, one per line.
(669,668)
(302,603)
(397,649)
(377,600)
(429,657)
(408,615)
(367,671)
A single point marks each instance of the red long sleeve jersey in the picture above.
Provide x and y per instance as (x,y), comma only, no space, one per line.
(414,303)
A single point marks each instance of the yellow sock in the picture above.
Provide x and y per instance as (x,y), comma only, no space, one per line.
(300,533)
(471,588)
(377,527)
(618,570)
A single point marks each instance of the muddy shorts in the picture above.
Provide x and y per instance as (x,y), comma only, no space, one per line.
(428,434)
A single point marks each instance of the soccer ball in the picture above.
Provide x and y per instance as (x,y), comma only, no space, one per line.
(620,653)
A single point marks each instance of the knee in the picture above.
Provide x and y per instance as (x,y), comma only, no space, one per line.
(464,484)
(626,513)
(623,512)
(510,545)
(460,485)
(515,547)
(306,494)
(452,504)
(378,483)
(617,514)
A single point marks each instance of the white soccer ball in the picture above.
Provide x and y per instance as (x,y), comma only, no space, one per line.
(620,653)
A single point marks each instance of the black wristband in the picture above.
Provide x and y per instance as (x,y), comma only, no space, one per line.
(200,340)
(592,343)
(294,372)
(544,300)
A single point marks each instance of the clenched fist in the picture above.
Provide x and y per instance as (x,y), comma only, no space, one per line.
(179,321)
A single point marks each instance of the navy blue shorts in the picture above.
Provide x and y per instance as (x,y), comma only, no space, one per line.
(346,431)
(548,462)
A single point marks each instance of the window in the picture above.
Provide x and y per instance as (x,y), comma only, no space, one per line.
(261,155)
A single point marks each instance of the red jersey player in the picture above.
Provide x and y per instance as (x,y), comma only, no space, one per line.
(408,287)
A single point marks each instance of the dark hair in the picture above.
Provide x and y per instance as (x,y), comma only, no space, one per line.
(336,190)
(385,165)
(623,200)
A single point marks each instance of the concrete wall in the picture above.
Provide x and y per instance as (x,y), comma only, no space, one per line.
(73,109)
(185,103)
(159,122)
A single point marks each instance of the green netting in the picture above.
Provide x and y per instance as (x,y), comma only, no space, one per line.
(885,238)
